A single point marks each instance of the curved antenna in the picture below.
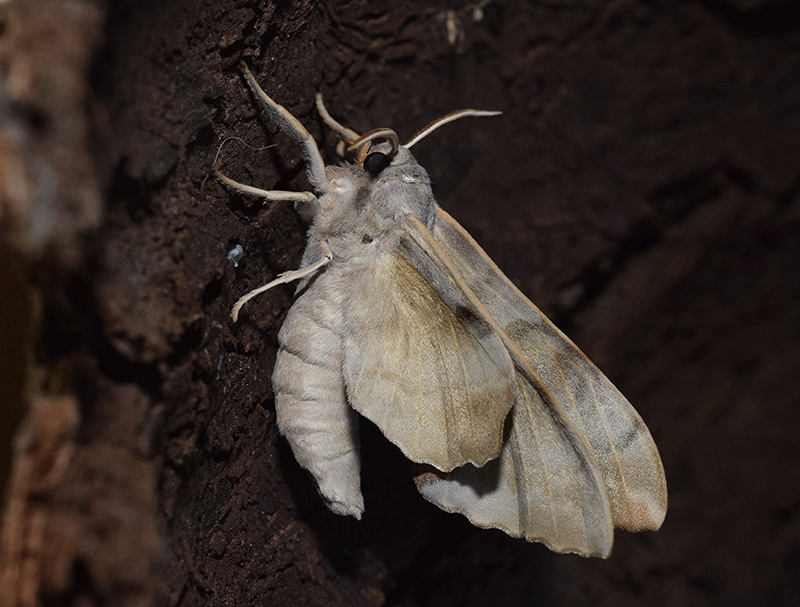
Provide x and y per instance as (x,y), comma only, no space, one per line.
(444,120)
(343,132)
(387,134)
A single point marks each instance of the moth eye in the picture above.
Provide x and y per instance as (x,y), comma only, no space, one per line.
(376,162)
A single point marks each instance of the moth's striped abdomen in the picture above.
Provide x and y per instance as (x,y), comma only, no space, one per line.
(310,400)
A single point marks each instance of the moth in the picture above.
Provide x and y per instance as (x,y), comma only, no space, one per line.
(402,318)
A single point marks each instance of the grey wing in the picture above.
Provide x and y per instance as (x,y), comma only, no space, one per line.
(448,377)
(622,445)
(310,401)
(422,361)
(545,486)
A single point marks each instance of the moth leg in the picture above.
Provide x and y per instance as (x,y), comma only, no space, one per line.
(292,127)
(271,195)
(285,277)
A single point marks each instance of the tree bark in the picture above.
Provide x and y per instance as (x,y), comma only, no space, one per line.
(641,187)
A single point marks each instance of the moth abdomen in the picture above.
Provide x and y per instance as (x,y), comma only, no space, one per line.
(310,401)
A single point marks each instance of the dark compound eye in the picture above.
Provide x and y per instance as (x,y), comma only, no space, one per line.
(376,162)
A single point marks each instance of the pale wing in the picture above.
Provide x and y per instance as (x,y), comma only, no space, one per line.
(545,486)
(622,445)
(421,358)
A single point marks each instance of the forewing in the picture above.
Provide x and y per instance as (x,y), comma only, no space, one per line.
(545,486)
(422,360)
(621,443)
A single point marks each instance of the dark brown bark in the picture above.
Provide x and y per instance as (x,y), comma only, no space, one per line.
(641,186)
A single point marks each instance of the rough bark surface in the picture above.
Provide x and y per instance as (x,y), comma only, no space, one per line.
(642,186)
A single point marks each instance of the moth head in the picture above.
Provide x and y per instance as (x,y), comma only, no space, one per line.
(391,183)
(375,150)
(366,147)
